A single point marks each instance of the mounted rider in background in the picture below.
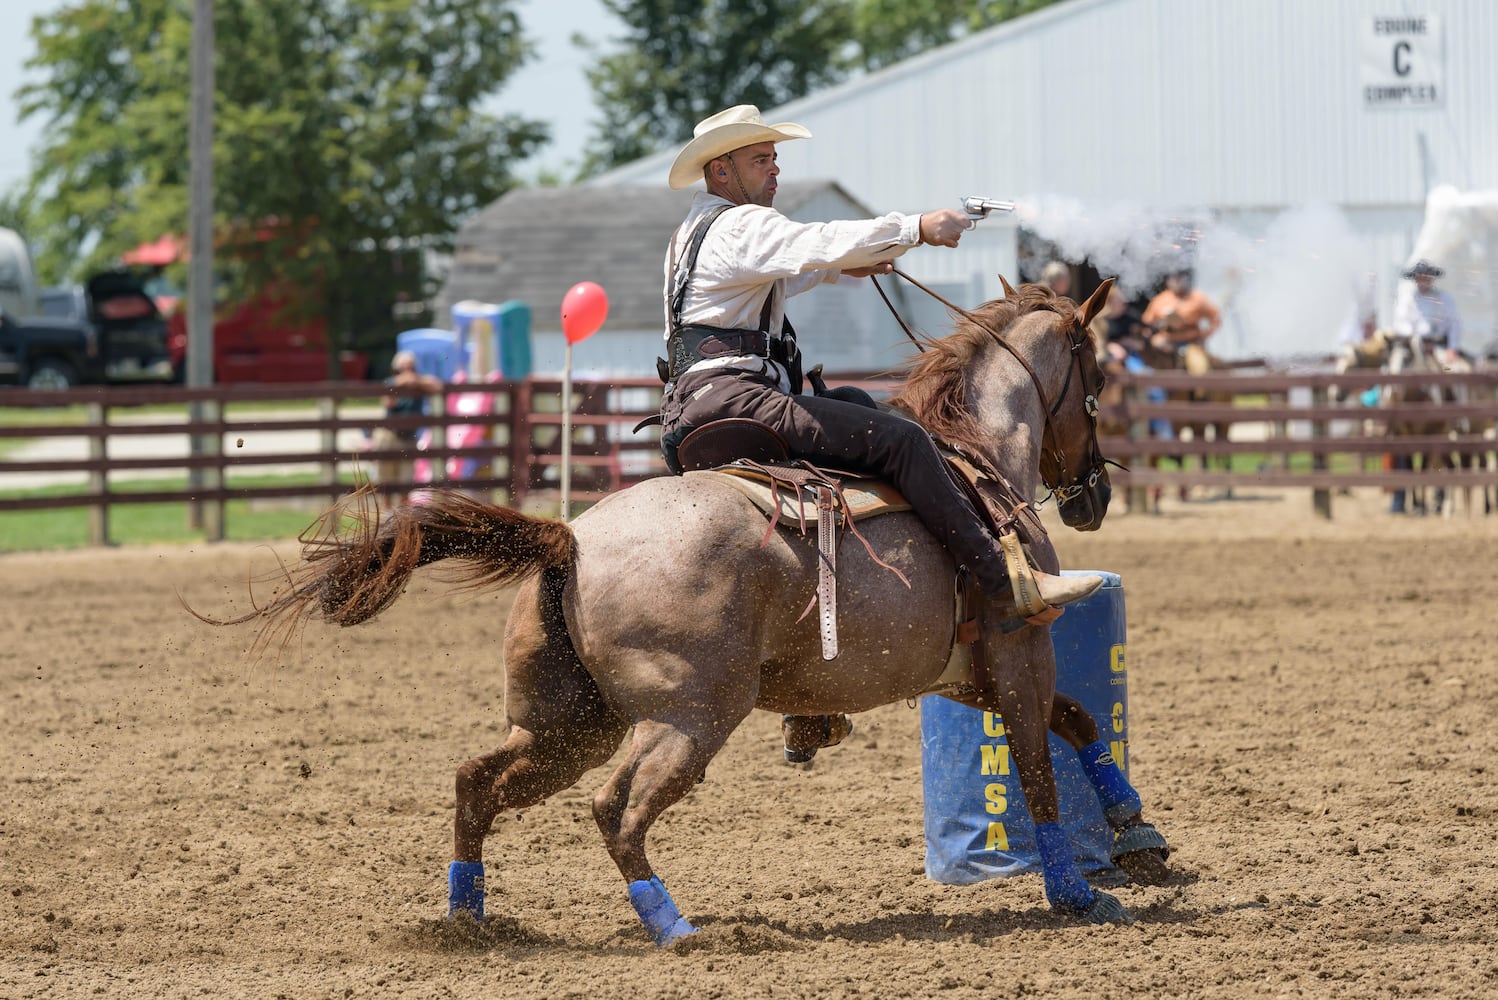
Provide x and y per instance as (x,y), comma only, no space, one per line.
(1428,315)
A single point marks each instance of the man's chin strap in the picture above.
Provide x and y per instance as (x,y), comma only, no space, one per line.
(739,181)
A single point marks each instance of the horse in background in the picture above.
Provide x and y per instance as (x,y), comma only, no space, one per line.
(1406,354)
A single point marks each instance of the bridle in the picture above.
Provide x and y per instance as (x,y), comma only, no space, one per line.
(1096,465)
(1082,358)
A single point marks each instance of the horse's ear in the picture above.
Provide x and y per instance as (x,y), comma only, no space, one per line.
(1095,302)
(1009,292)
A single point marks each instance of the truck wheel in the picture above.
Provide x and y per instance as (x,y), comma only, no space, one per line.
(51,374)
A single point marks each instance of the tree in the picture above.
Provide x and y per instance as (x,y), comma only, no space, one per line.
(685,59)
(682,60)
(887,31)
(341,127)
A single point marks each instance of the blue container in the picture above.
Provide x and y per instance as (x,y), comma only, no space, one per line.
(977,823)
(497,336)
(438,352)
(513,340)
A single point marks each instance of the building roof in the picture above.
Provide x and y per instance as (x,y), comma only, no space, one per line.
(536,243)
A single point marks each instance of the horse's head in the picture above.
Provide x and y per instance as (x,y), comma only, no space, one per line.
(1036,421)
(1071,462)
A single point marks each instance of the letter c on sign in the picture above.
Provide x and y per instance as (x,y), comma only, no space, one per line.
(1402,58)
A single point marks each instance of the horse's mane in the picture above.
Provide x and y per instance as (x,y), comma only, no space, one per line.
(934,390)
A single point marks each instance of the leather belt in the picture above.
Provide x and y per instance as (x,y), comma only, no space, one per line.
(691,344)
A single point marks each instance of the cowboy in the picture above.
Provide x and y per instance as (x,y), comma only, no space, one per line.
(1183,314)
(729,270)
(1427,314)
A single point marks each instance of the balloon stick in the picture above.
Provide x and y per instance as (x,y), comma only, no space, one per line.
(567,435)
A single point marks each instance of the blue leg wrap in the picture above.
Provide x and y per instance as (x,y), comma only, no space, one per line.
(465,889)
(658,911)
(1064,885)
(1118,798)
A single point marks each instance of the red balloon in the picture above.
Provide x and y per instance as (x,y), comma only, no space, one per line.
(584,308)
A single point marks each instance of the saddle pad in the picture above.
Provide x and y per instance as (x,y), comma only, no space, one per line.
(866,498)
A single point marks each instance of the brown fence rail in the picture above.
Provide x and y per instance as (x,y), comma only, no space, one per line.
(505,439)
(505,436)
(1308,430)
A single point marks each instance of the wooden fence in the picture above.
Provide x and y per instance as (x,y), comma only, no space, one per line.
(505,438)
(501,438)
(1308,430)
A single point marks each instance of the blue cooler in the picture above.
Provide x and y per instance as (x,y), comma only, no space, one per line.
(977,823)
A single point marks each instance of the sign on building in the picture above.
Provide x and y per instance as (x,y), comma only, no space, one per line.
(1402,61)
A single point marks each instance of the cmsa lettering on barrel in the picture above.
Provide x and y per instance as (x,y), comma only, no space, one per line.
(995,761)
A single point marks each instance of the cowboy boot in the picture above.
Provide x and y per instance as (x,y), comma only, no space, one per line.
(804,735)
(1058,591)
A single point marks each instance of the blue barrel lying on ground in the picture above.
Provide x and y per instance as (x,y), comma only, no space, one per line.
(977,823)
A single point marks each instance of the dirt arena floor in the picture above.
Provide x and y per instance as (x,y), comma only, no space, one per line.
(1313,711)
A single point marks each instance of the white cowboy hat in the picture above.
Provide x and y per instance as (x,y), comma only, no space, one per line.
(723,133)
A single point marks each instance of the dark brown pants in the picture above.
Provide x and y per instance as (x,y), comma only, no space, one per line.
(834,432)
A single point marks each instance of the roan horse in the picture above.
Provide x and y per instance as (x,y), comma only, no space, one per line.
(666,608)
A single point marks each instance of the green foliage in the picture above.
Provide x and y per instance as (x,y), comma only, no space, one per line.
(888,31)
(13,213)
(683,60)
(340,127)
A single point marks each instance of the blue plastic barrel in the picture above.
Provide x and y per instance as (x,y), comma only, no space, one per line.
(977,823)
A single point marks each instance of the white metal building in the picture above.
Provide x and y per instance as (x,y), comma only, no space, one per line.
(1292,142)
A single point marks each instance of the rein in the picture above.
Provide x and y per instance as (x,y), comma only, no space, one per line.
(1097,463)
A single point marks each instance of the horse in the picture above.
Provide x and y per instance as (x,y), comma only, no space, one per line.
(1406,355)
(670,610)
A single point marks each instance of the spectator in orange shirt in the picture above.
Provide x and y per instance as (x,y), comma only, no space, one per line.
(1181,314)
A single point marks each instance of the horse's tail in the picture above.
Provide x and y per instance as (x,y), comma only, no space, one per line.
(350,574)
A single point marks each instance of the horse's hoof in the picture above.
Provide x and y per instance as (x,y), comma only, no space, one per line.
(806,734)
(1106,909)
(675,933)
(1141,851)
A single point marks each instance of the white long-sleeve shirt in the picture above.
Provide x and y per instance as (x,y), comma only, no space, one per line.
(1431,316)
(752,252)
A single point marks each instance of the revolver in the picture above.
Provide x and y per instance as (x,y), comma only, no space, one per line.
(977,207)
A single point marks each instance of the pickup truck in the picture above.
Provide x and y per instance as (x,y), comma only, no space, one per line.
(109,330)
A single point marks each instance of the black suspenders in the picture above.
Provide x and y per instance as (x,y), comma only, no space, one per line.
(689,344)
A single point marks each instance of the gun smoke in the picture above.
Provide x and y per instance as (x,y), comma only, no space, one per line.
(1286,287)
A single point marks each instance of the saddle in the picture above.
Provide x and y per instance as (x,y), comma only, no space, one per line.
(753,459)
